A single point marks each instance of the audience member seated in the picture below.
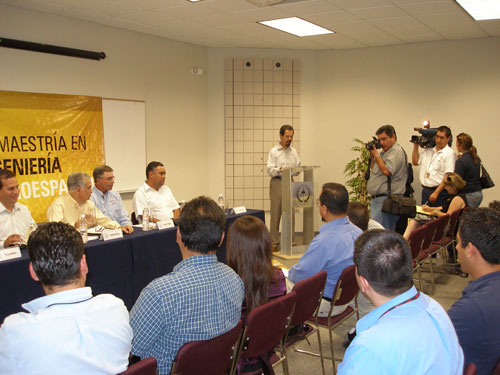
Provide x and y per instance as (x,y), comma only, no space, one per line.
(68,331)
(156,196)
(359,216)
(456,200)
(476,315)
(494,205)
(200,299)
(408,332)
(249,254)
(15,218)
(67,208)
(105,199)
(331,250)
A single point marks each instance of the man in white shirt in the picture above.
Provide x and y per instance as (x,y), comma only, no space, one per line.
(435,163)
(283,155)
(155,195)
(68,207)
(15,218)
(105,199)
(67,331)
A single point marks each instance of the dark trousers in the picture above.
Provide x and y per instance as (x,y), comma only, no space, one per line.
(427,191)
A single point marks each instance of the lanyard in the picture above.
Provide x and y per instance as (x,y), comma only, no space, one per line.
(402,303)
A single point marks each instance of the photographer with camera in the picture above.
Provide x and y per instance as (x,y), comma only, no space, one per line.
(435,162)
(390,162)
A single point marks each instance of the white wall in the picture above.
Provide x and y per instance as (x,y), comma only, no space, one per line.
(137,66)
(449,83)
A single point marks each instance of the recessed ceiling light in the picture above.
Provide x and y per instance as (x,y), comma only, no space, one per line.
(194,1)
(296,26)
(481,9)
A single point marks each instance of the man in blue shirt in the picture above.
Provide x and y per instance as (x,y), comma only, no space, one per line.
(408,332)
(331,250)
(105,199)
(67,331)
(476,315)
(200,299)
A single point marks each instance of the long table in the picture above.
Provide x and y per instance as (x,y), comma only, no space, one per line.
(122,267)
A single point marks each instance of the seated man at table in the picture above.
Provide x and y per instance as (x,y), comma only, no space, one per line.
(200,299)
(408,332)
(105,199)
(68,207)
(156,196)
(476,315)
(67,331)
(15,218)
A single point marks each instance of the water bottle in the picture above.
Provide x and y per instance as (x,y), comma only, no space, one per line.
(83,228)
(220,202)
(145,219)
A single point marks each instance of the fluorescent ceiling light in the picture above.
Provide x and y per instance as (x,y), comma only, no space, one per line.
(481,9)
(296,26)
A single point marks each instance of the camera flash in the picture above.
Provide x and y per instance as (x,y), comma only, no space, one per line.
(425,123)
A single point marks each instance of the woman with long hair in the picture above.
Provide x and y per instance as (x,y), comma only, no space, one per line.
(468,166)
(456,200)
(249,254)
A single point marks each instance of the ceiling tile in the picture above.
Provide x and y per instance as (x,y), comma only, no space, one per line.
(378,12)
(305,8)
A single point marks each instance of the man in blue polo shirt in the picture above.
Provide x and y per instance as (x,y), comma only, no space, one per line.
(476,315)
(408,332)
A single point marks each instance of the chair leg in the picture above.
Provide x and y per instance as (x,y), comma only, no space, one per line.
(331,349)
(321,352)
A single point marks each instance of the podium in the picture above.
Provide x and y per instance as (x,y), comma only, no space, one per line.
(296,195)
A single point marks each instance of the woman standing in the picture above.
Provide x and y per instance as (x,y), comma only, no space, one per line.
(468,166)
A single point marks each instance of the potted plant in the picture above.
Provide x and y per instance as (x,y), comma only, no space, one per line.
(355,170)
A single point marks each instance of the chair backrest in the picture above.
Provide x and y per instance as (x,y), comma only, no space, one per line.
(266,325)
(441,226)
(209,357)
(308,297)
(470,369)
(346,287)
(430,231)
(147,366)
(416,240)
(453,223)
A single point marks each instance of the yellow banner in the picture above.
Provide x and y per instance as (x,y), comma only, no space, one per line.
(46,137)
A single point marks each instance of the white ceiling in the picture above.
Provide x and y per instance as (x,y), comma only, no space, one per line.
(232,23)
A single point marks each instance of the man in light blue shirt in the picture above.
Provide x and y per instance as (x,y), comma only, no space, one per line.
(105,199)
(331,250)
(408,332)
(67,331)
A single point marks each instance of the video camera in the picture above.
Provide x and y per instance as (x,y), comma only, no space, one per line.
(427,139)
(373,142)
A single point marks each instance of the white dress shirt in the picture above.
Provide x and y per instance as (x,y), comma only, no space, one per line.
(279,157)
(161,202)
(69,332)
(16,222)
(111,205)
(435,164)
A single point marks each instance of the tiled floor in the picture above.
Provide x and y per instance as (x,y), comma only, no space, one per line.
(299,364)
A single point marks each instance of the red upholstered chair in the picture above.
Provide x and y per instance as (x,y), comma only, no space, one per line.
(450,235)
(425,252)
(470,369)
(438,250)
(266,331)
(345,291)
(133,219)
(147,366)
(415,241)
(215,356)
(309,293)
(496,369)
